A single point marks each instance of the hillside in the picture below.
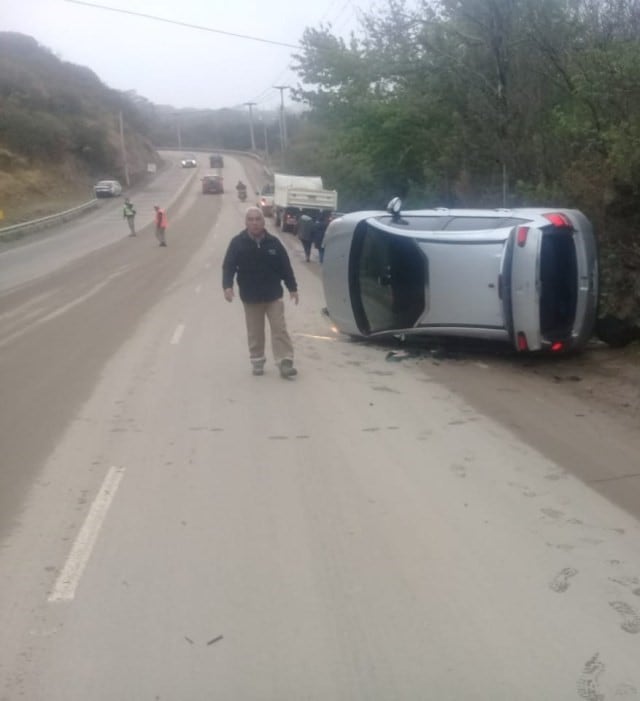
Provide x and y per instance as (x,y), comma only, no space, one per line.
(60,131)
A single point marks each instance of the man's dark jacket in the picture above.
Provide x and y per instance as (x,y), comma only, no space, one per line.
(260,265)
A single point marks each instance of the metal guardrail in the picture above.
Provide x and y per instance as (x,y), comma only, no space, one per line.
(11,232)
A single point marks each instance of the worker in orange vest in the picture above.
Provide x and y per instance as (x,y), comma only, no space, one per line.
(161,224)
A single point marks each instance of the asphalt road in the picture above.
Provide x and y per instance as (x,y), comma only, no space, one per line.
(175,528)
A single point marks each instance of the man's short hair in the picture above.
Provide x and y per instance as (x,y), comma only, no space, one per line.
(253,210)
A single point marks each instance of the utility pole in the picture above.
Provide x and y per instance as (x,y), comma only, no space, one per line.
(262,121)
(253,139)
(283,122)
(177,116)
(123,151)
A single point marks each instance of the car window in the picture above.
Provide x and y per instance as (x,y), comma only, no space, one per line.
(388,278)
(558,283)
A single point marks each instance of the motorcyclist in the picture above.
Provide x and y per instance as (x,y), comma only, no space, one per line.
(241,188)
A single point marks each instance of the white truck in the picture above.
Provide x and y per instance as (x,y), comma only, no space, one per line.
(297,194)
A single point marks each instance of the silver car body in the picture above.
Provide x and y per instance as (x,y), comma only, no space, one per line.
(525,276)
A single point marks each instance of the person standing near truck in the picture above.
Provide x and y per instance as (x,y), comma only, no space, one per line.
(305,234)
(129,213)
(318,231)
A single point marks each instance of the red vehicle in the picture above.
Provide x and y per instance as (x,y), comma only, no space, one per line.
(212,184)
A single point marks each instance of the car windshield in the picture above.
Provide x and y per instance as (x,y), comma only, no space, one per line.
(387,277)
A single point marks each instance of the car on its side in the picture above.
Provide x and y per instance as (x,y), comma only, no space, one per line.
(525,276)
(216,160)
(107,188)
(189,162)
(212,184)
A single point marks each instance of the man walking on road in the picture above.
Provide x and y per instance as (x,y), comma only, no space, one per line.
(161,225)
(261,264)
(129,213)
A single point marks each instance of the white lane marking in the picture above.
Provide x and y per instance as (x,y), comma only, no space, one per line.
(33,302)
(67,582)
(65,308)
(177,335)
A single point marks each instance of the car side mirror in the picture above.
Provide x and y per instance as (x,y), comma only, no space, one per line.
(394,206)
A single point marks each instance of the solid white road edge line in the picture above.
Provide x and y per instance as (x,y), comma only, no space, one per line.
(177,335)
(68,579)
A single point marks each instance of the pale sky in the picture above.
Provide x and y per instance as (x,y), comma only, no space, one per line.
(176,65)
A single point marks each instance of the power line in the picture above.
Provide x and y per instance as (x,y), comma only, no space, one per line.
(287,69)
(184,24)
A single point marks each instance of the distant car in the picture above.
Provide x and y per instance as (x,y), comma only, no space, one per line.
(189,162)
(528,277)
(216,161)
(107,188)
(265,200)
(212,184)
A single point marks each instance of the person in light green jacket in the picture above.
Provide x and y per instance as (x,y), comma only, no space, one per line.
(129,213)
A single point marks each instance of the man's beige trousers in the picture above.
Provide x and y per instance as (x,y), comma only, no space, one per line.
(280,340)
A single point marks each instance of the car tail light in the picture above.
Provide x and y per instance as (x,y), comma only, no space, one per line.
(521,236)
(522,341)
(557,346)
(558,219)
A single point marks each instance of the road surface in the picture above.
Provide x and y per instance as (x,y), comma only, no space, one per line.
(176,528)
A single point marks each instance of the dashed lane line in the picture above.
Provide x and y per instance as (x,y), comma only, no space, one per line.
(68,580)
(177,335)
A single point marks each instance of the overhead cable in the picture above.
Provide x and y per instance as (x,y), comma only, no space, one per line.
(184,24)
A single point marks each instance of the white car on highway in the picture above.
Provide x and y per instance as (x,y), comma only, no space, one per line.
(189,162)
(107,188)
